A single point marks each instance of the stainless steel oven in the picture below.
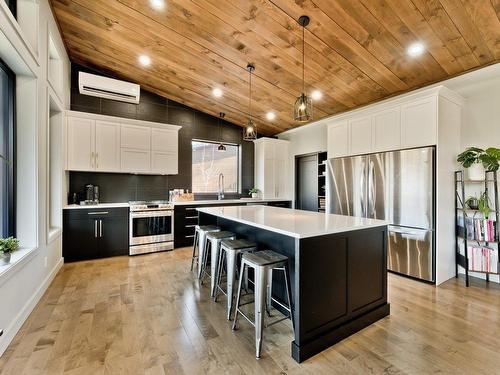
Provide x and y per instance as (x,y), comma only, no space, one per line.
(151,227)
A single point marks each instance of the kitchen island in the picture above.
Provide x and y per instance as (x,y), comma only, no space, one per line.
(337,267)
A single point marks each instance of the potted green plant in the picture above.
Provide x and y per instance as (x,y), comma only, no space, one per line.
(484,204)
(254,192)
(472,203)
(476,161)
(7,247)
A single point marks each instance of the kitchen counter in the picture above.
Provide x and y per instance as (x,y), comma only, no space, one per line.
(226,201)
(96,206)
(338,268)
(294,223)
(184,203)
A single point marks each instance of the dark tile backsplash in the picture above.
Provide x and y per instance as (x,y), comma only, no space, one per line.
(116,187)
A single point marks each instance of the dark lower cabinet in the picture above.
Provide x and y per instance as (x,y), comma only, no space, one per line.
(95,233)
(186,218)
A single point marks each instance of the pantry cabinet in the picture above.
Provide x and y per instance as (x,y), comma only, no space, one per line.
(271,167)
(111,144)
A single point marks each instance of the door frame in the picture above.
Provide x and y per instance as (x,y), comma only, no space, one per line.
(296,173)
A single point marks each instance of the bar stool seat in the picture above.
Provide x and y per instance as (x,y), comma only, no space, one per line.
(263,263)
(196,241)
(229,252)
(212,244)
(200,241)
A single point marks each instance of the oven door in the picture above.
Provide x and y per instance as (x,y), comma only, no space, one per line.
(147,227)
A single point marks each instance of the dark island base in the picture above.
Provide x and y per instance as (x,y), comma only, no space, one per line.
(339,281)
(308,350)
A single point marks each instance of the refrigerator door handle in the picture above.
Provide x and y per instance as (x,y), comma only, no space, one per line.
(362,193)
(371,190)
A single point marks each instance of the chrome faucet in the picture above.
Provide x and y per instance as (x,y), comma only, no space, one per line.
(220,194)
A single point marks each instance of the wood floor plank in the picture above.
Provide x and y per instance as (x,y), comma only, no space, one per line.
(149,315)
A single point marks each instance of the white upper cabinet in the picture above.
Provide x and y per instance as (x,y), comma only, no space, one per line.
(361,135)
(405,122)
(338,139)
(107,146)
(271,167)
(419,123)
(386,130)
(111,144)
(81,144)
(164,140)
(136,137)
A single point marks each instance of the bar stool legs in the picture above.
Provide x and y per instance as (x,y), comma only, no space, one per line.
(263,263)
(229,253)
(195,245)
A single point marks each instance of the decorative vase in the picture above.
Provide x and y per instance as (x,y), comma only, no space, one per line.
(255,195)
(4,259)
(476,172)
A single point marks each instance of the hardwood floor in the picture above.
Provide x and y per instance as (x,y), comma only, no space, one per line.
(148,315)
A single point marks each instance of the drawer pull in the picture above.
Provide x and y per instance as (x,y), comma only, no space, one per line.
(190,236)
(191,217)
(98,213)
(190,226)
(190,209)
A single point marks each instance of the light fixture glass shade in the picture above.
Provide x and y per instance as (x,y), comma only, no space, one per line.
(221,148)
(303,109)
(250,131)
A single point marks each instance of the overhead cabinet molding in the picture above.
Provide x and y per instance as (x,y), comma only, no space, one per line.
(112,144)
(405,122)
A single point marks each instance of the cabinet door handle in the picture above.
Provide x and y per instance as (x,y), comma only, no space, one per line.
(92,159)
(97,160)
(95,228)
(100,228)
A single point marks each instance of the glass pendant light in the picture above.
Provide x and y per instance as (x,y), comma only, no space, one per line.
(250,130)
(303,109)
(221,147)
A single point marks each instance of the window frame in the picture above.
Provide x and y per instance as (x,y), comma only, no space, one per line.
(238,166)
(12,172)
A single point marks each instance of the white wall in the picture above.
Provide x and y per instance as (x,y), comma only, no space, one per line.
(24,49)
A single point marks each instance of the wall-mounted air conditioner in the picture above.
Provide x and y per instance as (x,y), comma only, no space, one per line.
(109,88)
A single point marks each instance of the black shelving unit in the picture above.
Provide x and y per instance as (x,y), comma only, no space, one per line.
(322,158)
(461,236)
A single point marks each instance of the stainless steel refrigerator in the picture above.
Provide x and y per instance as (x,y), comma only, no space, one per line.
(397,186)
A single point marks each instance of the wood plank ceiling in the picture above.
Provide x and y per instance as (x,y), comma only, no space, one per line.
(356,50)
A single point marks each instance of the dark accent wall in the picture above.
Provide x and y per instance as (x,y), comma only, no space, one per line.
(195,125)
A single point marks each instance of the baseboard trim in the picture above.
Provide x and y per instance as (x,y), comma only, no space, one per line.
(11,331)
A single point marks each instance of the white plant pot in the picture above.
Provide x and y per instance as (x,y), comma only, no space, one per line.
(4,259)
(255,195)
(476,172)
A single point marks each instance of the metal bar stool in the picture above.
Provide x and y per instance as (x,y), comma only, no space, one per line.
(229,252)
(199,238)
(212,244)
(262,262)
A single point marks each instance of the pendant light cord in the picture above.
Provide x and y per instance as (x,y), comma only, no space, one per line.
(303,59)
(250,95)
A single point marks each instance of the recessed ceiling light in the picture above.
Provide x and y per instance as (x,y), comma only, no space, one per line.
(144,60)
(316,95)
(415,49)
(217,92)
(157,4)
(270,116)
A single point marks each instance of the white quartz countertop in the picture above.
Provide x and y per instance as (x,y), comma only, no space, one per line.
(94,206)
(185,203)
(225,201)
(293,223)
